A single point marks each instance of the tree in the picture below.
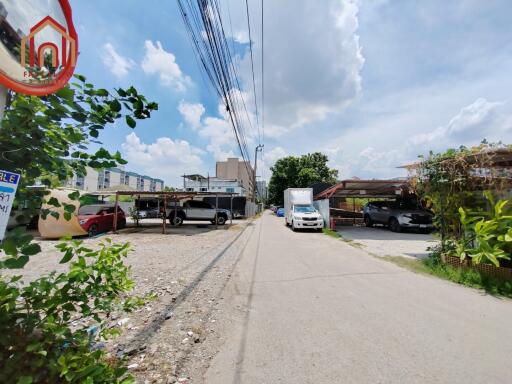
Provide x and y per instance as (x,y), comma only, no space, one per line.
(299,172)
(46,139)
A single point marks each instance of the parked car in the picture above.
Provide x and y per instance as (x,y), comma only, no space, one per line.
(99,218)
(397,215)
(149,213)
(280,212)
(197,210)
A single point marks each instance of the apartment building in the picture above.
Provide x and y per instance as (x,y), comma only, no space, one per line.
(118,178)
(234,169)
(199,183)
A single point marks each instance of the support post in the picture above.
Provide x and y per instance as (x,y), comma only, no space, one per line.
(231,210)
(115,212)
(163,216)
(175,206)
(216,210)
(137,207)
(256,150)
(354,210)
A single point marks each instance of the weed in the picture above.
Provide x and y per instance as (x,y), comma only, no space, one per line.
(468,277)
(332,233)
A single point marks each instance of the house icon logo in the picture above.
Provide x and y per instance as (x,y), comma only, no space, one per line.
(59,56)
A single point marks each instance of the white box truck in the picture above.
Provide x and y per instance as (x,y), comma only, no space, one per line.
(299,211)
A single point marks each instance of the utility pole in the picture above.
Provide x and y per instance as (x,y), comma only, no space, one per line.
(258,148)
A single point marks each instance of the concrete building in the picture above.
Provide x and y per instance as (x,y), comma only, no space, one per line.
(234,169)
(199,183)
(116,178)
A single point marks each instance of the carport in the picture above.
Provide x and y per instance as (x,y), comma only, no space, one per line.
(163,197)
(333,202)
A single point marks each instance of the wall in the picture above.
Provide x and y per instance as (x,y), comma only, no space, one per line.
(323,207)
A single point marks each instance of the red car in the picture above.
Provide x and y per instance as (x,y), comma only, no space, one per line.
(100,218)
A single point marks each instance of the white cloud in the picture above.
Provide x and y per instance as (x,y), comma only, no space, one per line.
(474,120)
(162,63)
(311,77)
(192,113)
(216,129)
(165,158)
(117,64)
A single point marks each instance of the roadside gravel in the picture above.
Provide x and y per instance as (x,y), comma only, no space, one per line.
(173,337)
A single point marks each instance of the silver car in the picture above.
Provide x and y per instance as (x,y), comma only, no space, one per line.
(397,216)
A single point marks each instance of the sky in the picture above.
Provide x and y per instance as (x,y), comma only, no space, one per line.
(372,84)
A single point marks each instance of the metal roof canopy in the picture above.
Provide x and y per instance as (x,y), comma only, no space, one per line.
(178,195)
(497,158)
(174,196)
(364,188)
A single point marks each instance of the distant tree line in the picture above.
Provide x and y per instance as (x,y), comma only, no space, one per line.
(299,172)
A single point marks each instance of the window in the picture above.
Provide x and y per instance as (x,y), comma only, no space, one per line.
(230,190)
(190,189)
(203,189)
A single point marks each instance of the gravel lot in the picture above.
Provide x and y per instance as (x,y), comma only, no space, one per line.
(172,338)
(381,241)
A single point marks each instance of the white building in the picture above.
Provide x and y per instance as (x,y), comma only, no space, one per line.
(199,183)
(95,180)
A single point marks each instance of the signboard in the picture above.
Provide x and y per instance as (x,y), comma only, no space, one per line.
(8,184)
(39,45)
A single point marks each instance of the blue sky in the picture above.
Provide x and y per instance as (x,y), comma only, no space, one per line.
(372,84)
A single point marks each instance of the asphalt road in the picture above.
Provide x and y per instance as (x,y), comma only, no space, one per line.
(316,310)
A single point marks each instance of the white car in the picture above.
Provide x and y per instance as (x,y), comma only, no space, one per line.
(305,216)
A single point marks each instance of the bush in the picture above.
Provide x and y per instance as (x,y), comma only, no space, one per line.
(464,275)
(487,236)
(51,328)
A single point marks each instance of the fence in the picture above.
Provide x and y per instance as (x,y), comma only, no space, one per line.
(485,269)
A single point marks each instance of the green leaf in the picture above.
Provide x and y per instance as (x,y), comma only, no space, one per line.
(74,195)
(9,247)
(53,201)
(25,380)
(69,208)
(115,105)
(80,77)
(131,123)
(31,249)
(66,93)
(67,256)
(102,92)
(16,263)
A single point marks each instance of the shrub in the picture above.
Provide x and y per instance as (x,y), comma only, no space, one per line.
(487,236)
(51,328)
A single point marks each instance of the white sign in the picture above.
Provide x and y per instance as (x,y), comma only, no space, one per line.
(8,184)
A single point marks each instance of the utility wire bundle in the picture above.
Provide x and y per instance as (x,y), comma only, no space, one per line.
(204,26)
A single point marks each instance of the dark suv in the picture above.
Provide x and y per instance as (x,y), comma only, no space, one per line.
(397,215)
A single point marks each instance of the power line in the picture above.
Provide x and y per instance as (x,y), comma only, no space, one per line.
(262,77)
(252,70)
(204,25)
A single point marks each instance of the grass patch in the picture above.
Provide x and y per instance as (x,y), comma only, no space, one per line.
(463,276)
(331,232)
